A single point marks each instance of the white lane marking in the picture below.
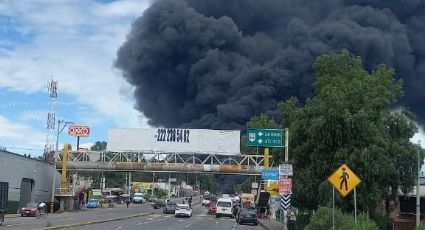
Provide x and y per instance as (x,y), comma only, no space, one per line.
(69,218)
(187,226)
(181,220)
(118,227)
(10,225)
(234,226)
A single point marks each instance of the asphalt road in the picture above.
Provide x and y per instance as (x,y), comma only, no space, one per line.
(159,221)
(154,219)
(27,223)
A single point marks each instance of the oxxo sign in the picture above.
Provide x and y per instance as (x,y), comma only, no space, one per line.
(79,131)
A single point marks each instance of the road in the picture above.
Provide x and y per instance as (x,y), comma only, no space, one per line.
(26,223)
(159,221)
(148,218)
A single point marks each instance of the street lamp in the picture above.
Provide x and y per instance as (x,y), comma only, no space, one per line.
(60,129)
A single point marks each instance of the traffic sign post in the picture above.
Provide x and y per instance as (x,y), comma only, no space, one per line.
(285,169)
(270,174)
(265,137)
(285,186)
(344,180)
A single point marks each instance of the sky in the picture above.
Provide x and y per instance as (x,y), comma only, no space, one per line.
(75,43)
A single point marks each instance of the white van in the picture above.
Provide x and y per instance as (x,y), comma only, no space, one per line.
(224,207)
(138,198)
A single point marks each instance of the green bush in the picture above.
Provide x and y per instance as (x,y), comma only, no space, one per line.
(160,193)
(383,221)
(303,219)
(421,226)
(322,220)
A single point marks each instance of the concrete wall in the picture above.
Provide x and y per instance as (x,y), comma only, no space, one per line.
(37,176)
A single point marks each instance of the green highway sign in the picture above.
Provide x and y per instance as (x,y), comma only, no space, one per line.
(265,137)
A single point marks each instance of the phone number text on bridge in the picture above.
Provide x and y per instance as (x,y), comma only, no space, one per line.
(173,135)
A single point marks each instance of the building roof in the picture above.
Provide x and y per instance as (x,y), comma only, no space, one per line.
(25,157)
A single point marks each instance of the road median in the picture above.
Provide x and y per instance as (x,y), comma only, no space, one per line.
(93,222)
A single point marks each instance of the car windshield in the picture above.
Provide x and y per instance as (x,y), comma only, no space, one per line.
(248,211)
(32,205)
(224,204)
(183,206)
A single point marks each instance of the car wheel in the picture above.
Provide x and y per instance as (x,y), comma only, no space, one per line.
(255,223)
(217,216)
(22,214)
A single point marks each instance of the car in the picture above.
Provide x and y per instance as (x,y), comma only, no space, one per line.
(29,210)
(183,210)
(93,203)
(247,215)
(212,208)
(157,204)
(224,208)
(169,208)
(206,201)
(139,198)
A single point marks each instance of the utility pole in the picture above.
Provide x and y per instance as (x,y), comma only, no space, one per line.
(418,184)
(153,183)
(56,153)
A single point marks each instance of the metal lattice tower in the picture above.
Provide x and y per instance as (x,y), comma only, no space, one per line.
(49,147)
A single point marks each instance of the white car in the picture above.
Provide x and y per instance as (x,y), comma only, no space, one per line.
(139,198)
(206,201)
(183,210)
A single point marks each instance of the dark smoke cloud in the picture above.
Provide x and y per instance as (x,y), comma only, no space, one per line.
(215,64)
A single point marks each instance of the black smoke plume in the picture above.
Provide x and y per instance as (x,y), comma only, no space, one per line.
(216,63)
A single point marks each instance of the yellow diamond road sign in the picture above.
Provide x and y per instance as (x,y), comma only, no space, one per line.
(344,180)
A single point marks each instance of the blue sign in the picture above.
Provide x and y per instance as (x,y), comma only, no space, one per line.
(270,174)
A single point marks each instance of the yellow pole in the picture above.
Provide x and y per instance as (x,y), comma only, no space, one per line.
(64,180)
(266,158)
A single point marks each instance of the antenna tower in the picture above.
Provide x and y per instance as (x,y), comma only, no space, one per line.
(49,147)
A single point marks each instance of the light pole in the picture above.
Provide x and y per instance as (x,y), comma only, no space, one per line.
(418,185)
(60,129)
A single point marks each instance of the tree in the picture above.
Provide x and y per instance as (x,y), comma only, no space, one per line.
(350,121)
(99,146)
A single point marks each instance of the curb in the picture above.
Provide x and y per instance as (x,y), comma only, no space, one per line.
(264,226)
(94,222)
(11,216)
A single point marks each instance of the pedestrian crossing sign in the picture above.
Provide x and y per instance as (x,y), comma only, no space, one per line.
(344,180)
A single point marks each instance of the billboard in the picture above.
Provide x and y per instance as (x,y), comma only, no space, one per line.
(79,130)
(174,140)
